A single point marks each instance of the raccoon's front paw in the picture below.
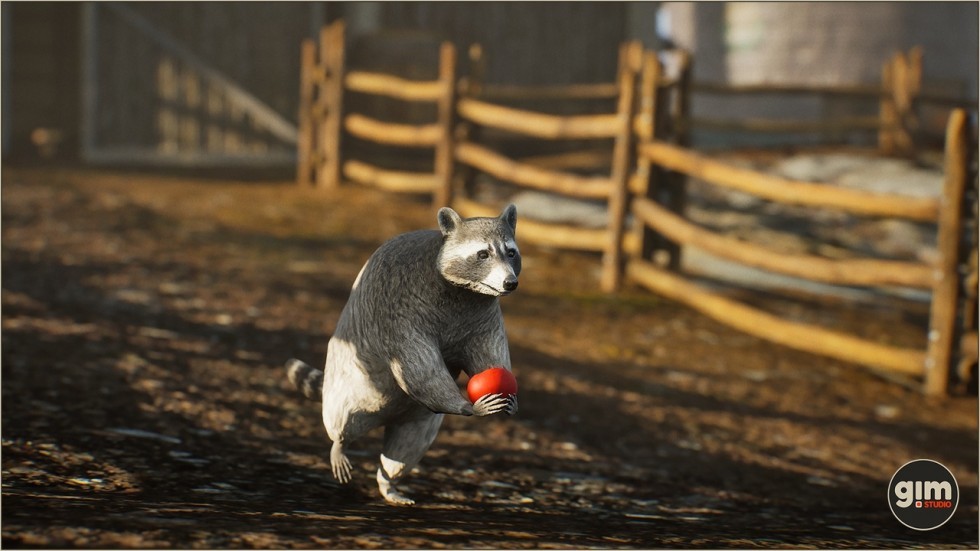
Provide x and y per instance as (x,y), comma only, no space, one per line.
(490,404)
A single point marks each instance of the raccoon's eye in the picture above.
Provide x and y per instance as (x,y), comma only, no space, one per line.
(483,255)
(511,253)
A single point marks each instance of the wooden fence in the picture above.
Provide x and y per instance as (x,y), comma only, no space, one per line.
(634,115)
(941,277)
(658,207)
(895,123)
(325,81)
(320,97)
(645,169)
(552,175)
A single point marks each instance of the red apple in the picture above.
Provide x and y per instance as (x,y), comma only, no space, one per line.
(495,380)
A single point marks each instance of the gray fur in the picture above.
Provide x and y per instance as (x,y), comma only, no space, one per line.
(458,262)
(308,380)
(419,313)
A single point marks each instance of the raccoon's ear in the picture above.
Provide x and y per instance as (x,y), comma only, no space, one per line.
(510,216)
(449,221)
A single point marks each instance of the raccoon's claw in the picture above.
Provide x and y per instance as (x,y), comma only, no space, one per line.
(511,405)
(342,470)
(490,404)
(340,465)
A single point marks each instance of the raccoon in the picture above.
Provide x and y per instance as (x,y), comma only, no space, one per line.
(423,308)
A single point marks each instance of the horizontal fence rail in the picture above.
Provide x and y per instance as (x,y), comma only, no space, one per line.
(942,276)
(776,126)
(547,234)
(867,91)
(865,272)
(595,91)
(899,96)
(514,92)
(641,167)
(551,173)
(571,160)
(504,168)
(405,135)
(538,125)
(436,135)
(801,336)
(323,84)
(390,180)
(784,190)
(380,84)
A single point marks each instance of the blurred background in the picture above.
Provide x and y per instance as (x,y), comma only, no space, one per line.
(212,83)
(160,264)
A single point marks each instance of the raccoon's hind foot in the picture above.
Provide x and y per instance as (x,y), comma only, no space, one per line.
(389,492)
(339,463)
(395,498)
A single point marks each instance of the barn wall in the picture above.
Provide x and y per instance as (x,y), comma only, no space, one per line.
(41,77)
(256,44)
(525,42)
(148,99)
(187,82)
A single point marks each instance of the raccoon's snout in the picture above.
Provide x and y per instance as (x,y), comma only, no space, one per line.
(510,284)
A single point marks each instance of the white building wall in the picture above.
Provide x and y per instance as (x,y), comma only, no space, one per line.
(824,42)
(846,42)
(820,43)
(811,43)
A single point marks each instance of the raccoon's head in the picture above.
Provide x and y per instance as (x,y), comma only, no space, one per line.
(480,254)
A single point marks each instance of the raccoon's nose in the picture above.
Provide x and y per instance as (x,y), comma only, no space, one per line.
(510,284)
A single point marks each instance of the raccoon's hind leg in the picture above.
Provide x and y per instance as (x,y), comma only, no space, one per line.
(404,445)
(350,404)
(343,429)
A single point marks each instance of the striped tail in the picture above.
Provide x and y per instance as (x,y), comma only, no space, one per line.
(308,380)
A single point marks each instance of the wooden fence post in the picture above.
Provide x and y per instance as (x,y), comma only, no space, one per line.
(901,82)
(900,101)
(320,111)
(682,113)
(651,74)
(612,269)
(446,106)
(671,105)
(680,129)
(969,346)
(658,185)
(466,131)
(888,113)
(942,317)
(911,87)
(326,108)
(305,139)
(477,73)
(332,54)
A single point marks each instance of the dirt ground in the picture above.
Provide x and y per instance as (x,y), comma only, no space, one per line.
(146,319)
